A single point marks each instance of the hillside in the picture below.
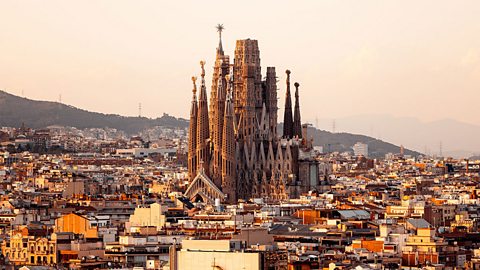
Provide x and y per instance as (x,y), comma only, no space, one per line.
(16,110)
(345,141)
(450,137)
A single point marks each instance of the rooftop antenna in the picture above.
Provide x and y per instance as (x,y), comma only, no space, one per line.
(140,109)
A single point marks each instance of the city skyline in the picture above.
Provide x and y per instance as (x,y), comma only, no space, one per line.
(352,58)
(249,135)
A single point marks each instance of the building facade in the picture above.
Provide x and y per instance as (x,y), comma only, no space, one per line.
(233,141)
(360,149)
(29,250)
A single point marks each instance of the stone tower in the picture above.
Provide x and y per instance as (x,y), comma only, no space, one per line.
(203,128)
(287,115)
(217,107)
(237,153)
(228,149)
(297,123)
(192,134)
(270,95)
(247,87)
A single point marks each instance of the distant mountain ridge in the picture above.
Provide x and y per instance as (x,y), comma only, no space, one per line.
(343,142)
(446,137)
(16,110)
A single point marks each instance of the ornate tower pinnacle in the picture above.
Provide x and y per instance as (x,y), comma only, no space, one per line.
(194,90)
(220,29)
(228,148)
(203,129)
(287,116)
(297,125)
(202,64)
(218,121)
(192,134)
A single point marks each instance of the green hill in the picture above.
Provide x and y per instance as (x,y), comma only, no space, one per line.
(16,110)
(341,142)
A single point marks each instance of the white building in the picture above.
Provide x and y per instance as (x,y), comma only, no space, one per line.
(148,216)
(360,149)
(144,152)
(215,254)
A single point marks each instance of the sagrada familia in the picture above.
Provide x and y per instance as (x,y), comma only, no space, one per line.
(234,149)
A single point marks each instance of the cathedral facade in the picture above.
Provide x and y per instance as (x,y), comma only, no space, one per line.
(235,151)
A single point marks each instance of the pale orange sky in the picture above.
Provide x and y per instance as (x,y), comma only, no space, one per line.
(405,58)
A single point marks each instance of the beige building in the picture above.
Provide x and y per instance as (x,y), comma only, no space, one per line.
(27,250)
(215,254)
(423,247)
(408,208)
(148,216)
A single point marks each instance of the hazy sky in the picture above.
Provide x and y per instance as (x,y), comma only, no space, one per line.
(405,58)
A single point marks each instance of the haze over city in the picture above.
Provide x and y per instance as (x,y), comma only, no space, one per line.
(419,59)
(253,135)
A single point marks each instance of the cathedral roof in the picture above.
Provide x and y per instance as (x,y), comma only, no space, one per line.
(195,188)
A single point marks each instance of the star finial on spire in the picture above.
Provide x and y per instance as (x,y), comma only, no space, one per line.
(220,29)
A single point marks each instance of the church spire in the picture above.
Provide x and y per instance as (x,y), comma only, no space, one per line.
(220,69)
(287,116)
(297,123)
(220,28)
(217,125)
(192,134)
(228,147)
(203,129)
